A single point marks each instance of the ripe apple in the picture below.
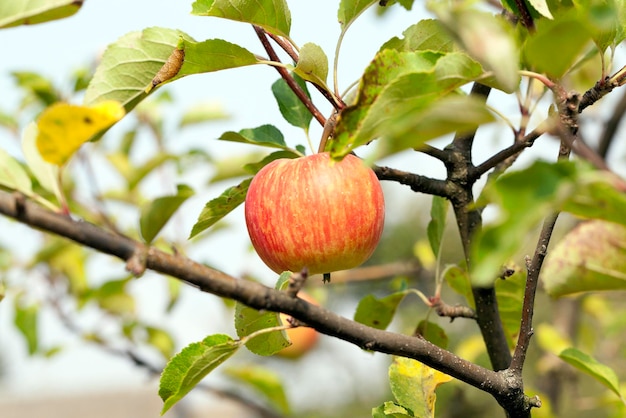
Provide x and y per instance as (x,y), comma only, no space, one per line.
(302,338)
(314,212)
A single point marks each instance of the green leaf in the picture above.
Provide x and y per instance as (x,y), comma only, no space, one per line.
(312,64)
(113,297)
(395,95)
(413,384)
(26,321)
(437,224)
(15,13)
(428,34)
(433,333)
(391,410)
(173,289)
(550,339)
(249,320)
(234,166)
(130,64)
(253,168)
(9,121)
(292,108)
(38,86)
(378,313)
(459,281)
(213,55)
(272,15)
(263,381)
(67,259)
(541,6)
(423,119)
(187,368)
(591,257)
(201,113)
(155,215)
(161,340)
(349,10)
(606,21)
(221,206)
(589,365)
(264,135)
(510,296)
(572,186)
(283,281)
(487,38)
(565,37)
(136,174)
(12,174)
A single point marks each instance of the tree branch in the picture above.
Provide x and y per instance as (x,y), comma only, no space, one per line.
(469,222)
(611,125)
(513,150)
(533,269)
(291,82)
(416,182)
(256,295)
(524,14)
(336,102)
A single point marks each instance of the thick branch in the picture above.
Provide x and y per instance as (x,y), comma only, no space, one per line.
(255,295)
(469,221)
(417,183)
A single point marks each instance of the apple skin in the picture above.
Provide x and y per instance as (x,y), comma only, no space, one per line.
(316,213)
(303,339)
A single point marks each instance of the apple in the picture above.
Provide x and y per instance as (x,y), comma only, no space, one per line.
(315,213)
(303,339)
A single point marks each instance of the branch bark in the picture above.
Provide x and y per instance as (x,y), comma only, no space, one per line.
(416,182)
(259,296)
(469,221)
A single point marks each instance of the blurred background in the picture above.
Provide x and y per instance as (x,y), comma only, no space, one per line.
(71,376)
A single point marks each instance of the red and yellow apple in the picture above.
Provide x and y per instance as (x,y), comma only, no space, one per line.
(303,339)
(315,213)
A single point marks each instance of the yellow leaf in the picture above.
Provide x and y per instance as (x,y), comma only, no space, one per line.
(63,127)
(413,384)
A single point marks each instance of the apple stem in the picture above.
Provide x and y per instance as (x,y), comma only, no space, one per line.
(326,278)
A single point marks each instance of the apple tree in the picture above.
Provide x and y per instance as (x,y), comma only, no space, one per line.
(534,312)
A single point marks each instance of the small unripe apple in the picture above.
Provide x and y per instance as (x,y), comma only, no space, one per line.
(302,338)
(315,213)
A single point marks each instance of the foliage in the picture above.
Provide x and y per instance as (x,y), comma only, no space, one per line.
(433,83)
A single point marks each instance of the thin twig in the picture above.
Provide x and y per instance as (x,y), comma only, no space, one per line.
(513,150)
(286,46)
(532,281)
(291,82)
(336,102)
(610,127)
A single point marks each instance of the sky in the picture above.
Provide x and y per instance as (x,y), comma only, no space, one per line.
(57,48)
